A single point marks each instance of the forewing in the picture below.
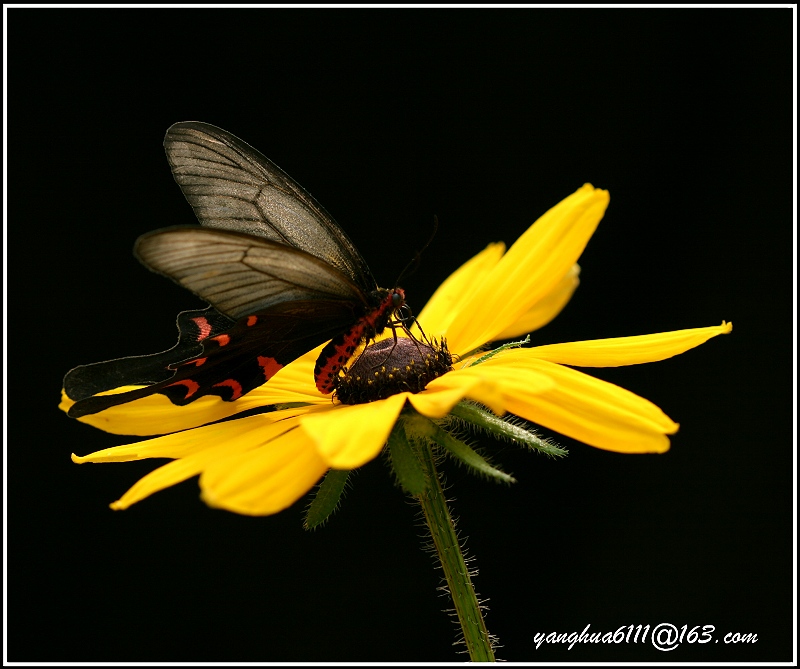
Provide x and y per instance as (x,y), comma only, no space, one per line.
(235,362)
(240,274)
(233,186)
(193,327)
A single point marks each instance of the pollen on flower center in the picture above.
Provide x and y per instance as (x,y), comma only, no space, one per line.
(389,367)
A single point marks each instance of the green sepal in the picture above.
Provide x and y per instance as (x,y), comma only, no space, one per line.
(477,416)
(504,347)
(420,427)
(405,459)
(326,499)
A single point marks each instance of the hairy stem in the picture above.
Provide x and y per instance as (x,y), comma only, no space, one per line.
(448,550)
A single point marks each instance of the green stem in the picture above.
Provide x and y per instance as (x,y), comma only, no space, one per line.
(443,532)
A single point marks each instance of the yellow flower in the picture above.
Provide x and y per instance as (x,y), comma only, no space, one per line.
(263,463)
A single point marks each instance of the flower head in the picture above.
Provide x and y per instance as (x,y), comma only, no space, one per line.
(261,464)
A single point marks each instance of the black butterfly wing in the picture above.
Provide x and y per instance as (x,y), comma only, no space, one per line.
(193,327)
(232,186)
(244,357)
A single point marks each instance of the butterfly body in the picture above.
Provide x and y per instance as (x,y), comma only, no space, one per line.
(280,275)
(339,350)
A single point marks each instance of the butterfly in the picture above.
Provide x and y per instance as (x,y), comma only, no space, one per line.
(279,275)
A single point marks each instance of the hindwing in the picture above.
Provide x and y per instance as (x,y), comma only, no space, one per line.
(193,327)
(240,359)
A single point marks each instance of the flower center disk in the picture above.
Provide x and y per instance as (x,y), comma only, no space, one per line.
(389,367)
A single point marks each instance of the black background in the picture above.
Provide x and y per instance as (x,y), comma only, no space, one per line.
(485,118)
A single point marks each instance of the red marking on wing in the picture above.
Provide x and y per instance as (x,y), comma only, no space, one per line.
(270,366)
(251,321)
(222,340)
(191,386)
(235,386)
(196,362)
(203,326)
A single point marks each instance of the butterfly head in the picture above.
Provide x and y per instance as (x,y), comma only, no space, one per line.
(398,298)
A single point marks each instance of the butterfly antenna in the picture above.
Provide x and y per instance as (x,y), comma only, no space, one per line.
(415,261)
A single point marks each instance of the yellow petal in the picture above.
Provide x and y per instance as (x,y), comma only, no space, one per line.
(595,412)
(546,309)
(349,436)
(293,383)
(157,415)
(627,350)
(265,480)
(183,444)
(438,398)
(491,385)
(179,470)
(205,454)
(166,476)
(449,297)
(530,271)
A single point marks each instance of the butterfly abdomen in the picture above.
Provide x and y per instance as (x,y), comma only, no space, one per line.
(340,349)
